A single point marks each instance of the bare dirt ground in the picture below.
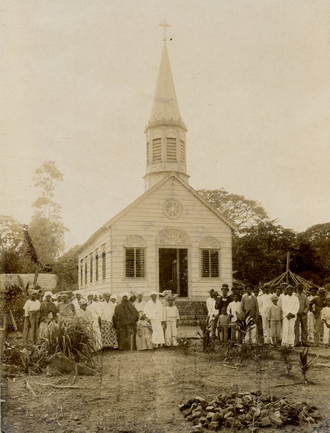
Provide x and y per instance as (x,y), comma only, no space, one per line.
(140,392)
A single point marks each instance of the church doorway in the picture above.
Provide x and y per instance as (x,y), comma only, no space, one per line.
(173,270)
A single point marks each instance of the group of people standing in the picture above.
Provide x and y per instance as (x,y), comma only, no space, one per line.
(282,314)
(128,324)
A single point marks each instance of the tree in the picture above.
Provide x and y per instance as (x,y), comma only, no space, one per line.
(14,257)
(45,178)
(46,227)
(66,268)
(260,254)
(243,212)
(316,239)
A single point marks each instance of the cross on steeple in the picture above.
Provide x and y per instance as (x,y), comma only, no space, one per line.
(164,24)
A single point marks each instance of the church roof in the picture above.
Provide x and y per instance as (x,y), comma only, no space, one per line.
(146,194)
(165,105)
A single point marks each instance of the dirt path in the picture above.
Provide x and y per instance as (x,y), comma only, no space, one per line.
(140,392)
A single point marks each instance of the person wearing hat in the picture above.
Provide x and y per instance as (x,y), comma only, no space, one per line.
(165,294)
(264,304)
(325,319)
(290,308)
(300,326)
(66,310)
(250,308)
(223,302)
(108,332)
(95,308)
(154,311)
(274,315)
(317,303)
(125,319)
(139,304)
(48,313)
(31,317)
(113,299)
(171,318)
(75,302)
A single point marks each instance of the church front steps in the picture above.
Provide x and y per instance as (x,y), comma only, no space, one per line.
(192,313)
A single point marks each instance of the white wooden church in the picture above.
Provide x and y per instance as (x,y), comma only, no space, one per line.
(170,238)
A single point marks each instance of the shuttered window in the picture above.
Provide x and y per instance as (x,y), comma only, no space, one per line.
(210,263)
(157,149)
(104,263)
(171,148)
(81,271)
(86,270)
(134,262)
(97,265)
(91,268)
(182,152)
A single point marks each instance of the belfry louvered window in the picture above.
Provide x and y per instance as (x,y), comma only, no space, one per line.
(148,153)
(171,147)
(182,152)
(134,257)
(156,149)
(209,258)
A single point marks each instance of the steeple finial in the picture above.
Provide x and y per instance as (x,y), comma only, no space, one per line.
(164,24)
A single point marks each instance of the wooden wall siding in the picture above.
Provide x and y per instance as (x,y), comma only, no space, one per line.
(91,249)
(147,219)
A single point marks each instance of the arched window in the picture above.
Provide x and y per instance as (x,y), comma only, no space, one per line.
(157,148)
(171,147)
(171,237)
(210,255)
(134,257)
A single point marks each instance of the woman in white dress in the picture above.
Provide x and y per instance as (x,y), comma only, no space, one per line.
(154,311)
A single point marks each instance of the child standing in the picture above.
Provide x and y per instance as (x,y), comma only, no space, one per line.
(144,333)
(274,315)
(223,325)
(325,318)
(171,317)
(234,310)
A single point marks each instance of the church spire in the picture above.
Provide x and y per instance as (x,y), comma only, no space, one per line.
(166,132)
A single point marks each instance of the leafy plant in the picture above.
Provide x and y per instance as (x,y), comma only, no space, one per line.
(305,365)
(184,344)
(286,353)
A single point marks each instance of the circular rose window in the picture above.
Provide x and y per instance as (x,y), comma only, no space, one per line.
(172,209)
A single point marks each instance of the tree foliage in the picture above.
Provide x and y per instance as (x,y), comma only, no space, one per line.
(260,254)
(243,212)
(46,227)
(66,268)
(45,178)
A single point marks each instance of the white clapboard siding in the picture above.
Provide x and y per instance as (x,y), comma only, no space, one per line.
(147,219)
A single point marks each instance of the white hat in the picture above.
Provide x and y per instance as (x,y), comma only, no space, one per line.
(47,294)
(153,292)
(124,294)
(113,297)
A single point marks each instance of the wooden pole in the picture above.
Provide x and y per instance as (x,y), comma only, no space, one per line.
(287,266)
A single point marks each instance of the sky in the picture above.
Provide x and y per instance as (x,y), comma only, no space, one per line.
(252,79)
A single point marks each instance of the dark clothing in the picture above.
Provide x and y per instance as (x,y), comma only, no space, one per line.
(319,303)
(249,305)
(46,308)
(124,319)
(223,301)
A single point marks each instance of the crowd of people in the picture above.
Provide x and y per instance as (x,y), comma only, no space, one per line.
(127,323)
(284,314)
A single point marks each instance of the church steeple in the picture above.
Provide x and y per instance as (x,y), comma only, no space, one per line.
(165,132)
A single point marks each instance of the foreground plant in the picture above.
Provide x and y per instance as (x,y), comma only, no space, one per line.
(286,353)
(304,364)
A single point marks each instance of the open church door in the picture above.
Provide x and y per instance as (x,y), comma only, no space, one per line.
(173,270)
